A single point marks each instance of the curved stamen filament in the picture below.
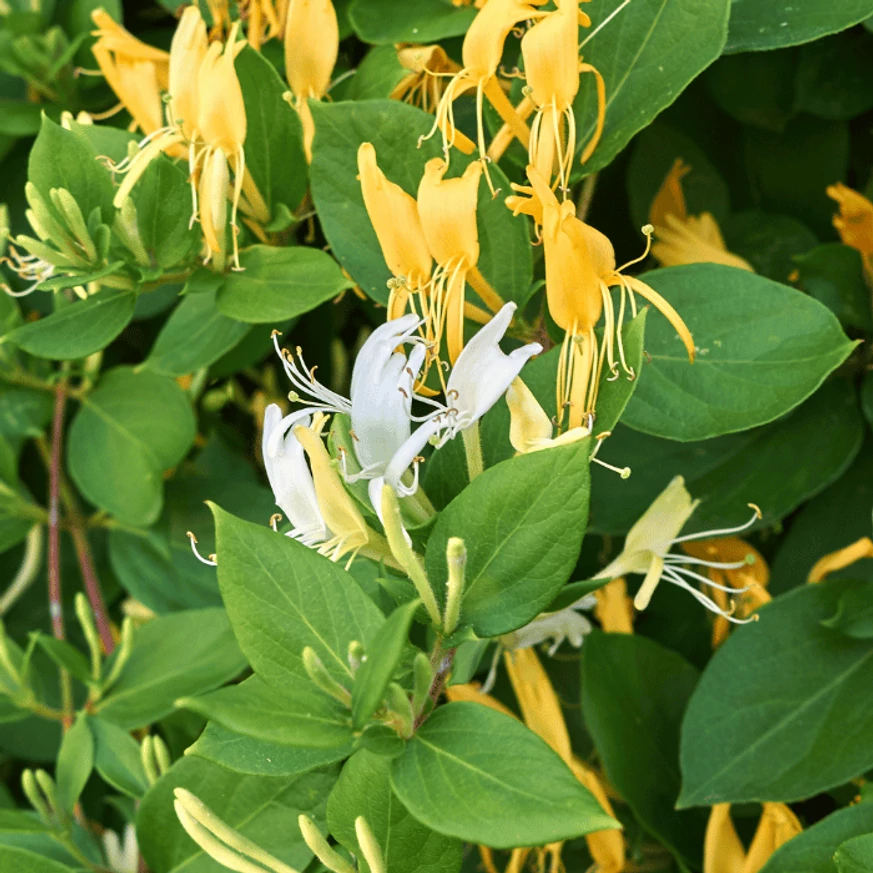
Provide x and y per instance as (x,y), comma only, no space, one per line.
(723,532)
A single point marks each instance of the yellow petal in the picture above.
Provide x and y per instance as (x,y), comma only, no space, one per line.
(857,551)
(222,113)
(854,223)
(311,47)
(551,57)
(483,44)
(607,846)
(614,608)
(447,208)
(394,216)
(214,187)
(187,52)
(694,240)
(119,41)
(529,424)
(470,693)
(777,826)
(722,850)
(670,199)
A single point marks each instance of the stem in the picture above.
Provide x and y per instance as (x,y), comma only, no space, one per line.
(442,661)
(92,584)
(473,450)
(54,539)
(27,571)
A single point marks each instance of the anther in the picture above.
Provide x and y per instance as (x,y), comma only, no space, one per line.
(756,509)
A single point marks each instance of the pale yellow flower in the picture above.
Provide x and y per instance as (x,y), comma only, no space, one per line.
(854,223)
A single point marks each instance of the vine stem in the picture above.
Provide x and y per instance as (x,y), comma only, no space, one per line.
(92,584)
(54,533)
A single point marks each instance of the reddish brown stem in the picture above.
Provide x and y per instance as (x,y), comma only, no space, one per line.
(92,585)
(54,532)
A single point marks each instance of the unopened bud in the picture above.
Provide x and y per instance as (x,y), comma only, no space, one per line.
(66,204)
(400,707)
(456,559)
(317,672)
(422,678)
(320,847)
(89,629)
(357,656)
(370,848)
(122,654)
(34,796)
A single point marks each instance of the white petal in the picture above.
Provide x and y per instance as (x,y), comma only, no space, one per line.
(407,453)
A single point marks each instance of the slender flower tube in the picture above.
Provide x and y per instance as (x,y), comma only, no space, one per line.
(552,66)
(854,223)
(681,238)
(723,851)
(311,49)
(580,271)
(481,54)
(136,72)
(647,552)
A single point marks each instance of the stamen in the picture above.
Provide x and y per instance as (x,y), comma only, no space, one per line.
(210,562)
(624,472)
(275,518)
(602,24)
(724,532)
(710,604)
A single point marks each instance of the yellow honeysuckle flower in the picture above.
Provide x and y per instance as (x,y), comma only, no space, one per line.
(838,560)
(854,223)
(205,117)
(681,238)
(541,712)
(580,271)
(723,850)
(530,428)
(481,54)
(311,49)
(552,66)
(615,610)
(135,71)
(423,85)
(749,574)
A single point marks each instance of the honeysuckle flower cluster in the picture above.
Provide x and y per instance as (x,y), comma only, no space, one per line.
(387,449)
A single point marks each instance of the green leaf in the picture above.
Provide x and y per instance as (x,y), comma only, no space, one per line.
(23,861)
(364,788)
(867,398)
(757,26)
(834,275)
(195,335)
(259,757)
(18,118)
(836,517)
(768,719)
(813,850)
(18,821)
(522,522)
(77,330)
(66,656)
(770,243)
(384,22)
(156,566)
(117,758)
(75,762)
(162,197)
(460,775)
(777,466)
(855,855)
(378,74)
(173,656)
(762,349)
(630,52)
(282,596)
(296,713)
(279,283)
(394,128)
(66,159)
(24,412)
(262,809)
(634,693)
(274,135)
(126,434)
(383,653)
(854,615)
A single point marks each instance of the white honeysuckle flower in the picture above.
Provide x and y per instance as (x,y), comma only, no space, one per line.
(479,378)
(290,477)
(647,550)
(554,627)
(121,857)
(380,407)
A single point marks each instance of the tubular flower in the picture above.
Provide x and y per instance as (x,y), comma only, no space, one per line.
(422,85)
(541,712)
(447,208)
(854,223)
(751,578)
(552,66)
(206,116)
(647,552)
(311,49)
(723,851)
(481,54)
(681,238)
(136,72)
(838,560)
(614,608)
(580,271)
